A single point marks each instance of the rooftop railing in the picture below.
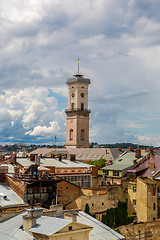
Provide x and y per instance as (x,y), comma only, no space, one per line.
(78,109)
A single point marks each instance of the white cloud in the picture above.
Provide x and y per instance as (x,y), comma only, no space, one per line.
(149,140)
(45,131)
(118,46)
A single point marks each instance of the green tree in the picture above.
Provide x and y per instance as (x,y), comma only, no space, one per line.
(99,163)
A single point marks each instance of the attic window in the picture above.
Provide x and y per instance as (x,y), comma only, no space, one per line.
(70,228)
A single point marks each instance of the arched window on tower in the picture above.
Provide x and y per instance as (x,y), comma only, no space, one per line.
(82,134)
(71,134)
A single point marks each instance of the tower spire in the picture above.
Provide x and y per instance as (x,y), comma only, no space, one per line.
(78,65)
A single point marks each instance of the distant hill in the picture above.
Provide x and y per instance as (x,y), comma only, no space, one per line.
(123,145)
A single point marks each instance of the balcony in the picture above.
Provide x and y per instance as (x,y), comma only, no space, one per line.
(78,110)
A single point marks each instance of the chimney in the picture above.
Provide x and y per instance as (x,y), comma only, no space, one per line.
(60,157)
(71,216)
(106,151)
(14,158)
(134,162)
(151,165)
(29,220)
(41,155)
(72,157)
(16,171)
(37,159)
(32,157)
(52,155)
(131,149)
(138,153)
(119,148)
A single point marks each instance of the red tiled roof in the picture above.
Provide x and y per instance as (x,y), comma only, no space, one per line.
(148,171)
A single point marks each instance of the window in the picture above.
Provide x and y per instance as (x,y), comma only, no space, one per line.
(115,173)
(82,106)
(154,191)
(107,172)
(71,134)
(30,190)
(134,189)
(70,228)
(154,206)
(82,134)
(102,203)
(92,204)
(134,202)
(72,106)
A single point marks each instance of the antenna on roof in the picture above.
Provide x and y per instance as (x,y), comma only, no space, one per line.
(78,65)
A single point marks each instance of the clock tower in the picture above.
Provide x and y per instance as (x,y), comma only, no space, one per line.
(77,114)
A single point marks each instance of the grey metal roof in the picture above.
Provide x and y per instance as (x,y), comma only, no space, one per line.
(124,161)
(12,197)
(10,229)
(100,231)
(50,162)
(92,153)
(78,79)
(49,225)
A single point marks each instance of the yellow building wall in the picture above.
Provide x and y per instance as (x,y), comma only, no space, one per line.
(100,172)
(97,203)
(110,173)
(72,235)
(78,232)
(145,200)
(131,195)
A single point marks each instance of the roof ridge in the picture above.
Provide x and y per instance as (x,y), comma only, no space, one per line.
(101,224)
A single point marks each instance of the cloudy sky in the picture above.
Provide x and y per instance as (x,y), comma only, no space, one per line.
(118,43)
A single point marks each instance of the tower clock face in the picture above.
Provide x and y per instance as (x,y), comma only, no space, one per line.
(73,95)
(82,95)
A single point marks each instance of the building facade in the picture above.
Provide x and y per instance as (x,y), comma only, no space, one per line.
(77,114)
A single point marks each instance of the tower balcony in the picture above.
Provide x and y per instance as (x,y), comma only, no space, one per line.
(77,110)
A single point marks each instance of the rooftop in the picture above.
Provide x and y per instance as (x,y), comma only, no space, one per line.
(11,197)
(148,168)
(78,78)
(53,162)
(83,154)
(125,161)
(100,231)
(10,229)
(49,225)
